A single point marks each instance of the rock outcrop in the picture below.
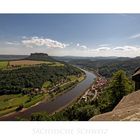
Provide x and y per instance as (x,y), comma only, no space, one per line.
(127,109)
(40,57)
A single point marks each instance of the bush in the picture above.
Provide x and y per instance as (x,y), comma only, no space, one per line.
(40,116)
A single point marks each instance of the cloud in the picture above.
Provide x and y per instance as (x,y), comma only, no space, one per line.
(118,48)
(134,36)
(83,46)
(36,41)
(77,44)
(12,43)
(126,48)
(103,49)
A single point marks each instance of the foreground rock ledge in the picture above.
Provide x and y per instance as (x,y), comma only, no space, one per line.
(128,109)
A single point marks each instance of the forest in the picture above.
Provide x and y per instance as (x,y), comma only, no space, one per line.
(27,81)
(106,67)
(22,79)
(119,86)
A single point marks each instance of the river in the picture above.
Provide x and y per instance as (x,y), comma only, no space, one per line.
(56,104)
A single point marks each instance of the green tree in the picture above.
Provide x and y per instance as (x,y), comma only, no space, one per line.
(40,116)
(86,112)
(120,86)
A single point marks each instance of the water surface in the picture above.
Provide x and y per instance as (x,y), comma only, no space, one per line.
(58,102)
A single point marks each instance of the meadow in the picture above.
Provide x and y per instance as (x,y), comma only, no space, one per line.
(22,82)
(3,64)
(10,103)
(17,63)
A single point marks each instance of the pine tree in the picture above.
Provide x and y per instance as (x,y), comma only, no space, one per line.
(120,86)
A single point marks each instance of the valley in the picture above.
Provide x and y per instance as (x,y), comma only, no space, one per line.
(26,82)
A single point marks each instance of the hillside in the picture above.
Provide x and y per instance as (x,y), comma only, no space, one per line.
(21,75)
(106,67)
(27,81)
(40,57)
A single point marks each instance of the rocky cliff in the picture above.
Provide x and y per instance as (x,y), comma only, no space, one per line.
(127,109)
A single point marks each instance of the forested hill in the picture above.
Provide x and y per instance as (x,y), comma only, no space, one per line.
(40,57)
(23,75)
(106,67)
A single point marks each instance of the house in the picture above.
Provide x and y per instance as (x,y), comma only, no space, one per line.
(136,78)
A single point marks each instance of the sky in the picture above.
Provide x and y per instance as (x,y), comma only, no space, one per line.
(71,34)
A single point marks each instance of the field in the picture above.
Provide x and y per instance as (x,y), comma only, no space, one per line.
(9,103)
(33,62)
(3,64)
(46,84)
(25,62)
(74,78)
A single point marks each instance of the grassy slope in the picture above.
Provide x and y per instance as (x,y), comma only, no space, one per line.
(9,103)
(3,64)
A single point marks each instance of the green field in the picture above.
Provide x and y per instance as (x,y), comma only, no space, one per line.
(74,78)
(46,84)
(9,103)
(27,63)
(3,64)
(58,64)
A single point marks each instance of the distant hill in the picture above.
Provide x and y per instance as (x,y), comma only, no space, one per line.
(40,57)
(70,58)
(106,67)
(12,57)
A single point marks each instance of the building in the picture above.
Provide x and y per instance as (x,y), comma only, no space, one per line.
(136,78)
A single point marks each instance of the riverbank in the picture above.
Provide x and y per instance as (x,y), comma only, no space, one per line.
(77,98)
(58,102)
(44,98)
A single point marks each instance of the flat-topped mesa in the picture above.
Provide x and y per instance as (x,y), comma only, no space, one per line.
(40,56)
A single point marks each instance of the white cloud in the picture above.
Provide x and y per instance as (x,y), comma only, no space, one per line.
(135,36)
(118,48)
(12,43)
(77,44)
(83,46)
(126,48)
(36,41)
(103,49)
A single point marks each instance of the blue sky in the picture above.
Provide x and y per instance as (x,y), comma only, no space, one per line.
(71,34)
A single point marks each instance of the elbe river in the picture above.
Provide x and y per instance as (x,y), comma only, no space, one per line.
(58,103)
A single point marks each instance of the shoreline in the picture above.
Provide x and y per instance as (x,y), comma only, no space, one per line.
(44,100)
(75,99)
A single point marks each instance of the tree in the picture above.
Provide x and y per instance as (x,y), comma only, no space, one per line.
(120,86)
(40,116)
(86,112)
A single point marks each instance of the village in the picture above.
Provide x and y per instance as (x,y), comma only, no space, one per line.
(95,90)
